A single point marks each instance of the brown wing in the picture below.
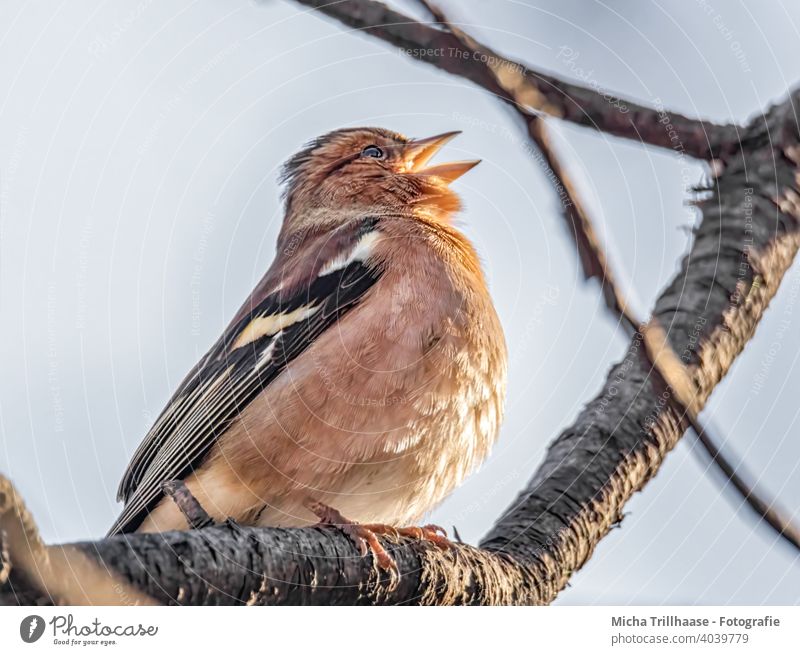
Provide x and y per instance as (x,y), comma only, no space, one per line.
(254,350)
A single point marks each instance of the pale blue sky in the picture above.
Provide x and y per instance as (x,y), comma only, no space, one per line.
(139,152)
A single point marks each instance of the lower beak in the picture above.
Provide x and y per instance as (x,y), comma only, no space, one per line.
(419,151)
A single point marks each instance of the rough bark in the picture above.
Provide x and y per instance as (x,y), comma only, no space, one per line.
(743,245)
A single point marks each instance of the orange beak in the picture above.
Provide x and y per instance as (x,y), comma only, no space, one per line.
(419,151)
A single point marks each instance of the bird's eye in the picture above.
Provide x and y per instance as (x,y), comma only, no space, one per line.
(372,151)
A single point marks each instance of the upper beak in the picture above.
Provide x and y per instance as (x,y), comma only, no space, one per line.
(419,151)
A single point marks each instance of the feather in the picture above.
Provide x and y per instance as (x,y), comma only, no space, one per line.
(261,342)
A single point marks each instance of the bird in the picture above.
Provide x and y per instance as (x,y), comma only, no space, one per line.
(364,377)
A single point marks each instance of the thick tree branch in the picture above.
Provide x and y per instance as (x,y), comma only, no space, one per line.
(533,90)
(745,242)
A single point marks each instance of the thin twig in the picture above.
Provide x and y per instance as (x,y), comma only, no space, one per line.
(672,372)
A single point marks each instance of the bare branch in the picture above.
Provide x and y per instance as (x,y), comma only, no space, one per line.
(536,91)
(673,375)
(770,511)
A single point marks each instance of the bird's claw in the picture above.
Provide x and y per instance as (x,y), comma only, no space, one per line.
(362,536)
(435,534)
(365,535)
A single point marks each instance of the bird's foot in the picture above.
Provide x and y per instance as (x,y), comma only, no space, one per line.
(365,539)
(365,535)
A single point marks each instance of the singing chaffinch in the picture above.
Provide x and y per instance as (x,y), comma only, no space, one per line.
(363,377)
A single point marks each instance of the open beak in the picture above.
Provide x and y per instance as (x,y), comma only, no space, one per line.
(419,152)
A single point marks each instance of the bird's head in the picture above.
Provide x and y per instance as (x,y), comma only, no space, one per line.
(371,169)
